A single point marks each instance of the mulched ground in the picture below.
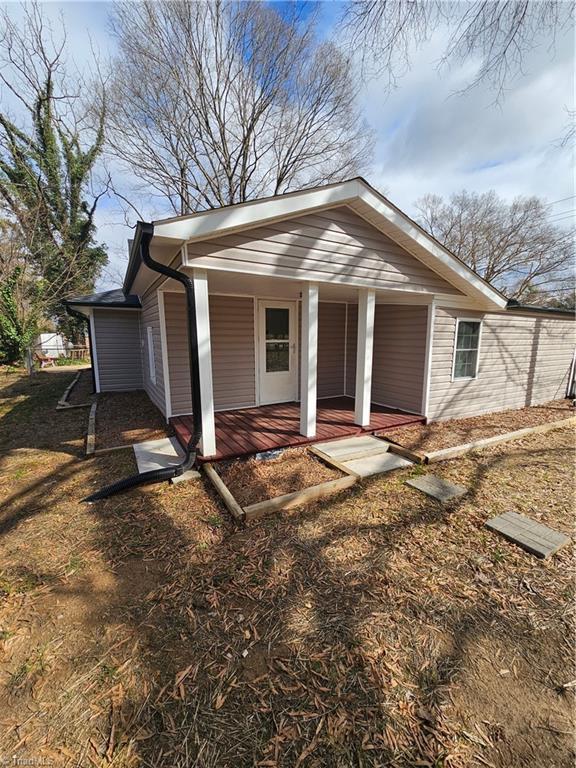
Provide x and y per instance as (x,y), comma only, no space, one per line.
(124,418)
(375,629)
(446,434)
(82,392)
(253,480)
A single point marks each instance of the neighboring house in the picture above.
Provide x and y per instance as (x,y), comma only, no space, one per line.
(312,297)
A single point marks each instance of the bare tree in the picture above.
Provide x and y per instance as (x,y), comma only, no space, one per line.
(48,150)
(517,247)
(499,32)
(220,102)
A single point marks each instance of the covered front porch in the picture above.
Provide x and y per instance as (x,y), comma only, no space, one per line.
(287,362)
(251,430)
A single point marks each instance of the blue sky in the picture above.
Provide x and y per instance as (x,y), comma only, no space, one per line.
(429,140)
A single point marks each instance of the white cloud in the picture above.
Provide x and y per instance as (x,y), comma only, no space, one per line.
(433,139)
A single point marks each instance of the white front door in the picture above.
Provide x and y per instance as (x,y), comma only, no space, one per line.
(278,362)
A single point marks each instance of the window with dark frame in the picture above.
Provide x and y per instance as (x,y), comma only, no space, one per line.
(466,350)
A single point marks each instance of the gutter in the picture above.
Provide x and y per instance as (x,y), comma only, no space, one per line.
(144,235)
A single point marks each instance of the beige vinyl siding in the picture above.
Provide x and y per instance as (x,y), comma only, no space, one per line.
(332,245)
(351,344)
(399,356)
(178,355)
(524,360)
(233,355)
(118,350)
(150,319)
(331,341)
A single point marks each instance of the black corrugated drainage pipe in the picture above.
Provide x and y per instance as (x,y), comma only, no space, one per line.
(75,313)
(146,231)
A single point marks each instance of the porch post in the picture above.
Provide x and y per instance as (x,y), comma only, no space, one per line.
(428,357)
(208,442)
(308,367)
(365,343)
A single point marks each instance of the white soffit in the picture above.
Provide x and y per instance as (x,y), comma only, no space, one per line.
(361,198)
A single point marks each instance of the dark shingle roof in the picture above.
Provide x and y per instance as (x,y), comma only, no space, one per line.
(513,304)
(115,298)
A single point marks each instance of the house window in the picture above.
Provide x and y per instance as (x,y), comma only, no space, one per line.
(151,355)
(466,350)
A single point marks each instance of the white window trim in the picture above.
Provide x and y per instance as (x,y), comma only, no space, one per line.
(151,354)
(467,320)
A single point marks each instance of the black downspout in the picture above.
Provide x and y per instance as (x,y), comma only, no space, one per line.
(158,475)
(75,313)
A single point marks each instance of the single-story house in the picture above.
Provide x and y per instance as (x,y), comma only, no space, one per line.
(317,313)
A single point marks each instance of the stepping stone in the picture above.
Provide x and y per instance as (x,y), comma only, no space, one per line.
(532,536)
(376,465)
(435,486)
(352,447)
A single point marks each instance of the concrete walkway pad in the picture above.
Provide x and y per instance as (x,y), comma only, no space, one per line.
(435,486)
(352,447)
(375,465)
(532,536)
(158,454)
(364,455)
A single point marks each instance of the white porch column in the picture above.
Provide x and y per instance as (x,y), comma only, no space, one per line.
(428,357)
(308,366)
(365,343)
(208,442)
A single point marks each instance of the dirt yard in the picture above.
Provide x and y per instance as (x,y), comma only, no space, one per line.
(375,629)
(445,434)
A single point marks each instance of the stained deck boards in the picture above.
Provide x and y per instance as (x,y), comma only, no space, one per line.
(251,430)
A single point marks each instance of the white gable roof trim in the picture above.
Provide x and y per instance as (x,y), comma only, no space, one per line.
(364,200)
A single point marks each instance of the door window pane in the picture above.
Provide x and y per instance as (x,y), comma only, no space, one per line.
(277,323)
(277,357)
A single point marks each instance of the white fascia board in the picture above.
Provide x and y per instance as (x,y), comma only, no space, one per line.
(419,237)
(205,225)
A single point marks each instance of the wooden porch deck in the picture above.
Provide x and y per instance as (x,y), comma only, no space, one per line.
(251,430)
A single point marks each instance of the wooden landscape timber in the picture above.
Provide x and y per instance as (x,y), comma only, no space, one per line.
(299,498)
(417,458)
(224,492)
(63,403)
(91,435)
(460,450)
(277,503)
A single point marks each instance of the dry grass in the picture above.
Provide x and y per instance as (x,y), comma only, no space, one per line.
(446,434)
(380,629)
(252,480)
(124,418)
